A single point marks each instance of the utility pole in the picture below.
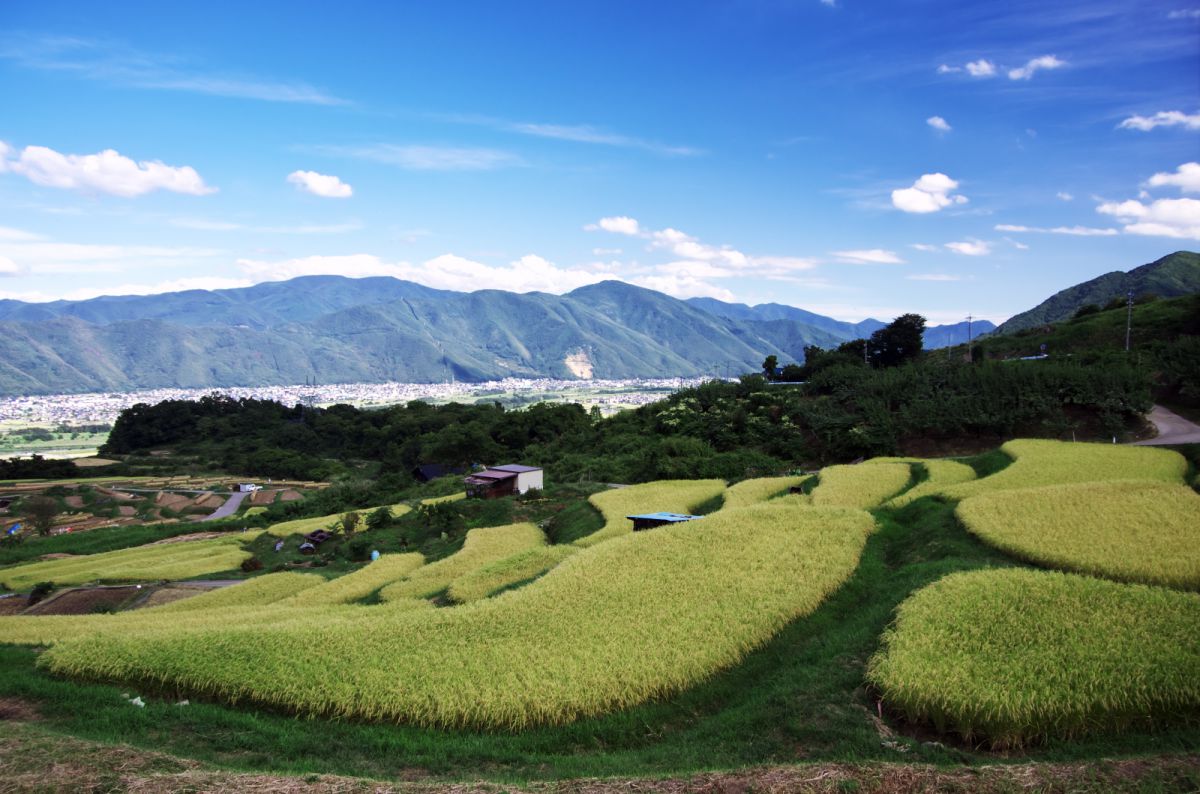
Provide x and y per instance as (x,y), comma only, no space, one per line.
(970,354)
(1128,319)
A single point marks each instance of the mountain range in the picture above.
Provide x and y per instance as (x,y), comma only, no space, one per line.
(338,329)
(1174,275)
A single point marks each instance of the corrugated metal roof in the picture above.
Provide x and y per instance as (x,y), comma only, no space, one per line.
(671,517)
(515,467)
(492,474)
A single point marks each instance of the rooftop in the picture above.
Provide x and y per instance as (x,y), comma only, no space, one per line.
(670,517)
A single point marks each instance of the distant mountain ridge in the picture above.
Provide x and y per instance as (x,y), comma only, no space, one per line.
(1170,277)
(338,329)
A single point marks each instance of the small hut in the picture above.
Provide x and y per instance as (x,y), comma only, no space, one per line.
(501,481)
(652,520)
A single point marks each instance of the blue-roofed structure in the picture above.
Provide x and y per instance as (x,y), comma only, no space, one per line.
(652,520)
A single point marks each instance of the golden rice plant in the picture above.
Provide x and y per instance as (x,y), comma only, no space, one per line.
(434,500)
(861,487)
(1039,462)
(941,473)
(1131,531)
(662,496)
(509,571)
(361,583)
(259,591)
(150,562)
(1018,656)
(638,617)
(760,489)
(482,547)
(302,526)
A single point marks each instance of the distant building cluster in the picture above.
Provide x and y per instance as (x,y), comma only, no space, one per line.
(103,407)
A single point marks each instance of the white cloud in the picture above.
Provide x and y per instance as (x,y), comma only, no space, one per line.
(42,257)
(869,256)
(8,267)
(1185,13)
(970,248)
(1062,195)
(106,172)
(324,185)
(930,193)
(1077,231)
(924,247)
(933,277)
(157,288)
(1034,65)
(619,224)
(1177,218)
(1163,118)
(606,251)
(981,68)
(209,225)
(938,123)
(428,158)
(1016,244)
(9,234)
(683,287)
(528,274)
(1186,178)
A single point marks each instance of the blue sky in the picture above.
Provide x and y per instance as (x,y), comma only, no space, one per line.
(853,158)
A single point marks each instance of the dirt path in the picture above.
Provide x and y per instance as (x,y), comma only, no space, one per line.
(1172,429)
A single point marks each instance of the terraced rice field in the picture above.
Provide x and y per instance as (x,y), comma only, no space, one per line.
(941,473)
(574,643)
(761,489)
(169,561)
(361,583)
(1020,656)
(302,526)
(1038,462)
(664,496)
(861,487)
(482,547)
(1131,531)
(481,583)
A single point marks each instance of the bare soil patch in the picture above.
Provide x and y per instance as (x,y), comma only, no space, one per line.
(168,595)
(84,601)
(73,501)
(126,510)
(88,463)
(18,710)
(263,497)
(13,605)
(172,501)
(58,555)
(212,500)
(290,496)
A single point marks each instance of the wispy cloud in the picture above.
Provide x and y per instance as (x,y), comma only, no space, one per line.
(933,277)
(324,185)
(1035,65)
(939,123)
(576,133)
(1163,118)
(210,225)
(114,62)
(1077,231)
(868,256)
(413,157)
(970,248)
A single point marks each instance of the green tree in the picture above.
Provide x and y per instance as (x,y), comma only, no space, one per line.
(41,511)
(379,518)
(769,366)
(898,342)
(350,522)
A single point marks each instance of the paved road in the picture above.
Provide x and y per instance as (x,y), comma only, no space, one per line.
(1172,428)
(229,508)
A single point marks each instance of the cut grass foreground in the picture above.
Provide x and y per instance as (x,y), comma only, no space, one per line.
(632,619)
(1129,531)
(167,561)
(1020,656)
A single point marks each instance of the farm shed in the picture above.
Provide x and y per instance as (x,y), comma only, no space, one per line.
(652,520)
(501,481)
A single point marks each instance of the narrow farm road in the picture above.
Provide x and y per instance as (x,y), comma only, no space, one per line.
(1172,429)
(229,508)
